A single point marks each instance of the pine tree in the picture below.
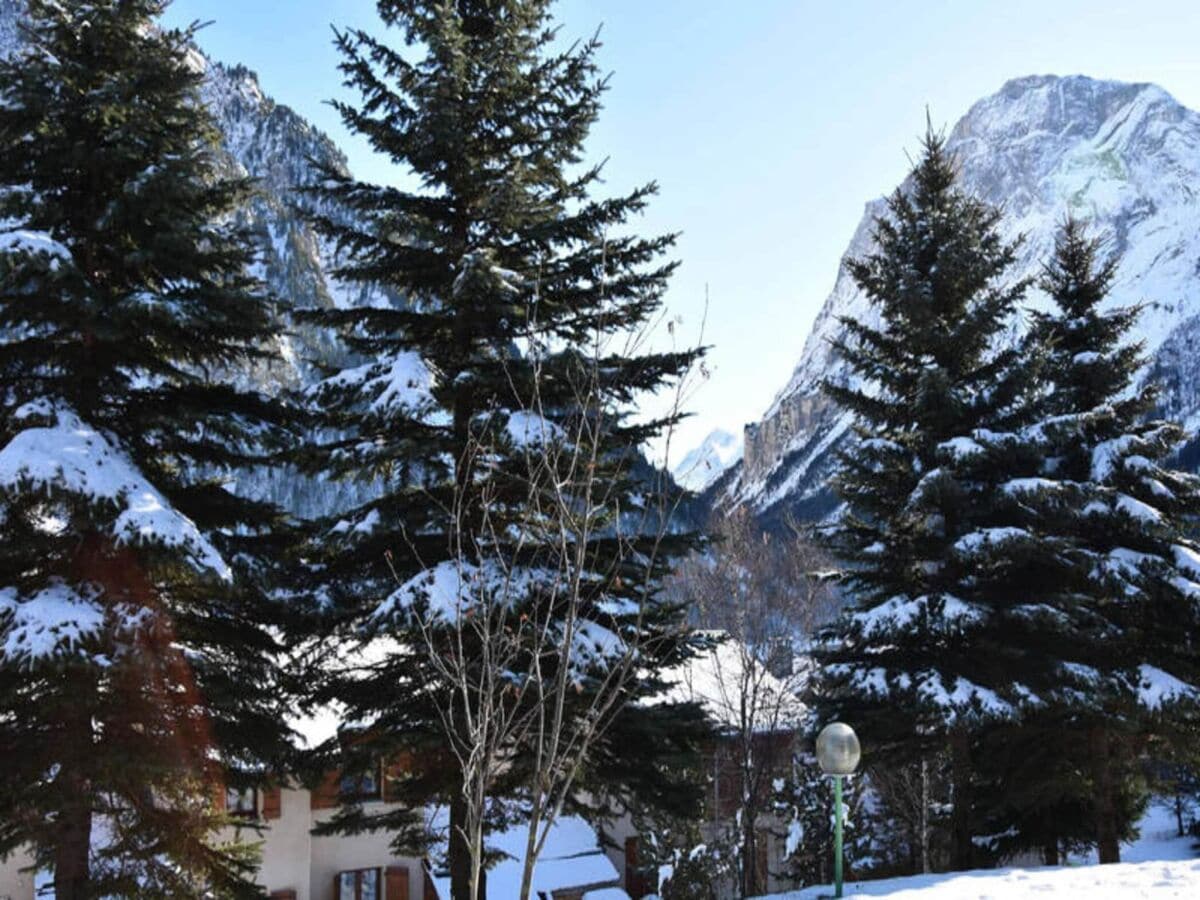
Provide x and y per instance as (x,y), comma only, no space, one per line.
(804,806)
(923,659)
(1119,606)
(468,393)
(134,652)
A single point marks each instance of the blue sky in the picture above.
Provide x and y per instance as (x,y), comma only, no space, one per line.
(767,123)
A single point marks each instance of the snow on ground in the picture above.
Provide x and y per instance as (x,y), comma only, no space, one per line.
(571,859)
(1157,866)
(1127,881)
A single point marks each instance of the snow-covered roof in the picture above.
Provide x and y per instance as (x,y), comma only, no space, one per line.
(318,725)
(572,858)
(722,678)
(608,893)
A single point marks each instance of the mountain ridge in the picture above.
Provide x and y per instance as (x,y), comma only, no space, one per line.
(1125,156)
(280,150)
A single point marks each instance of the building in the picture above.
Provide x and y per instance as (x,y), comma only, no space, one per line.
(298,865)
(757,717)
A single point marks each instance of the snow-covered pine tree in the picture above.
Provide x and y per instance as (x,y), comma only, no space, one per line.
(513,275)
(803,805)
(920,661)
(134,655)
(1120,606)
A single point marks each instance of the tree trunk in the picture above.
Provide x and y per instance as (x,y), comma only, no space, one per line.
(530,843)
(1050,852)
(962,850)
(925,869)
(750,885)
(459,850)
(71,874)
(1105,808)
(71,855)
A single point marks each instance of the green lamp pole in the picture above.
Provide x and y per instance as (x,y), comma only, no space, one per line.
(837,835)
(838,753)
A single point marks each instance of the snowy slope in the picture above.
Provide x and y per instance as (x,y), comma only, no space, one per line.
(1156,865)
(1125,156)
(703,465)
(1126,881)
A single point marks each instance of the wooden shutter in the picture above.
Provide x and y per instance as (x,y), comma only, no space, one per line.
(633,875)
(272,804)
(326,794)
(396,883)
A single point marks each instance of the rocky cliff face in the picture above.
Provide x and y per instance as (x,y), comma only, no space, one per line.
(1124,156)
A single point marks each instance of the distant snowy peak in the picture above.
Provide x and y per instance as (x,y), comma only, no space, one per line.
(1126,157)
(706,463)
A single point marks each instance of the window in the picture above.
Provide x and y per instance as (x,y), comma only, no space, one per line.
(358,884)
(241,802)
(363,786)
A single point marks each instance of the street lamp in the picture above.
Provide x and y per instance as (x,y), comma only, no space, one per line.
(838,753)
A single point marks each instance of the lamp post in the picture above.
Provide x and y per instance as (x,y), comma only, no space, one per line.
(838,753)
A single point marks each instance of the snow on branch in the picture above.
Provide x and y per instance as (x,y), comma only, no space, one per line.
(399,384)
(454,587)
(478,271)
(72,457)
(900,612)
(51,623)
(530,430)
(34,243)
(1157,688)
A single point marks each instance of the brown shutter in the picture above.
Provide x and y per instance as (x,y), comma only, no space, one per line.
(326,794)
(272,804)
(288,894)
(396,885)
(430,891)
(633,875)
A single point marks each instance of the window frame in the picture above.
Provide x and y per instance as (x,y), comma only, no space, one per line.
(350,786)
(233,802)
(358,882)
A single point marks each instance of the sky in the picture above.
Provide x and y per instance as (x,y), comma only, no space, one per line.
(768,124)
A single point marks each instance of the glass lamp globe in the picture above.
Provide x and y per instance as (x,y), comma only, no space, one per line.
(838,751)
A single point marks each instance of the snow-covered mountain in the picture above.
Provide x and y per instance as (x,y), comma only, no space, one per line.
(704,464)
(280,150)
(1124,156)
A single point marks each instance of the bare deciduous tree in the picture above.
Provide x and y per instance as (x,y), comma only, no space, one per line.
(764,593)
(548,616)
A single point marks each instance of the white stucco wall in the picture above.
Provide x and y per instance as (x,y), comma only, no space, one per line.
(15,884)
(286,846)
(331,855)
(291,857)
